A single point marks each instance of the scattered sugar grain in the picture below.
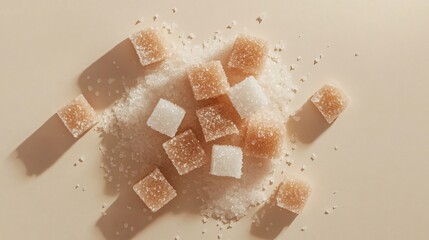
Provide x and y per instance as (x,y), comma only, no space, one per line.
(303,168)
(327,212)
(356,54)
(191,36)
(303,229)
(334,207)
(76,186)
(260,18)
(155,17)
(219,236)
(313,157)
(177,237)
(89,88)
(298,58)
(174,10)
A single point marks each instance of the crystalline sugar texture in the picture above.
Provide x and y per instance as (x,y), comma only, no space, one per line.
(166,117)
(247,97)
(208,80)
(226,161)
(149,45)
(216,122)
(185,152)
(248,54)
(78,116)
(330,101)
(292,195)
(154,190)
(263,138)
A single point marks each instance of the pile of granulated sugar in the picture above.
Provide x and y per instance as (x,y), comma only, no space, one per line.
(130,147)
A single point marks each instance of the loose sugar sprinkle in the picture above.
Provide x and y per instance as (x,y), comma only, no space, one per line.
(138,147)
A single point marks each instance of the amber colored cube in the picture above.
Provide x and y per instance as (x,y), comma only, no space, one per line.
(208,80)
(150,46)
(292,195)
(154,190)
(215,120)
(248,54)
(78,116)
(185,152)
(263,138)
(330,101)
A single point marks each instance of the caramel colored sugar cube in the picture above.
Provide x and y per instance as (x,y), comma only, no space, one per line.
(208,80)
(149,45)
(78,116)
(216,122)
(248,54)
(154,190)
(185,152)
(292,195)
(263,138)
(330,101)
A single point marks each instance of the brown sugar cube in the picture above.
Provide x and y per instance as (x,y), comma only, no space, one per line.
(330,101)
(248,54)
(263,138)
(292,195)
(215,120)
(185,152)
(149,45)
(154,190)
(78,116)
(207,80)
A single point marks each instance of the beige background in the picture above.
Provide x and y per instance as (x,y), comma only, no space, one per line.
(380,171)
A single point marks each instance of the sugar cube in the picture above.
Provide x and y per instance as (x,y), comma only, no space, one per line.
(292,195)
(226,161)
(154,190)
(78,116)
(216,122)
(207,80)
(330,101)
(248,54)
(149,45)
(166,117)
(247,97)
(263,137)
(185,152)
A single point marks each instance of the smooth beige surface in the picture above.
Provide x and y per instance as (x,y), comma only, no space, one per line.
(380,171)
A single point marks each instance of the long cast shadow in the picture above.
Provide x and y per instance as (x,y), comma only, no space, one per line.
(307,124)
(45,146)
(271,220)
(106,79)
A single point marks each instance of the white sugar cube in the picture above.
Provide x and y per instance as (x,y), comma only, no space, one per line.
(247,97)
(227,161)
(166,118)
